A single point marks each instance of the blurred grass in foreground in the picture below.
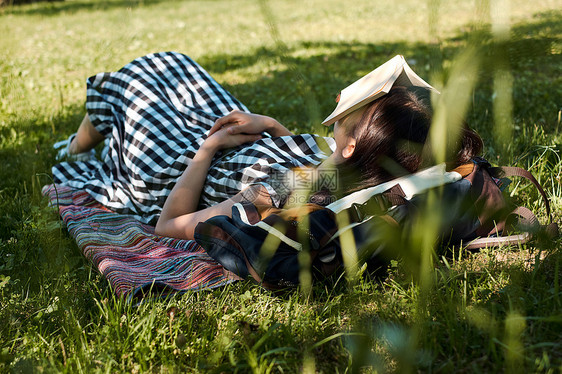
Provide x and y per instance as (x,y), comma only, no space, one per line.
(478,312)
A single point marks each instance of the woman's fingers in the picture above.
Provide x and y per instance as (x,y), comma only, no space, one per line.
(249,124)
(223,139)
(230,118)
(239,129)
(244,138)
(219,124)
(238,139)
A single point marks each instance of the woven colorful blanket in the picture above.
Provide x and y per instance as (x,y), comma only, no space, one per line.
(129,254)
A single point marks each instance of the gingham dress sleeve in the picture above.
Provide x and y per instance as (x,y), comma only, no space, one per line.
(155,112)
(266,162)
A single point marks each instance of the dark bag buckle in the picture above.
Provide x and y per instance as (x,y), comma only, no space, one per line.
(376,205)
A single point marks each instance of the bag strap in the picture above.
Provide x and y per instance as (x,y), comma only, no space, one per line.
(496,241)
(529,219)
(495,238)
(512,171)
(465,169)
(524,215)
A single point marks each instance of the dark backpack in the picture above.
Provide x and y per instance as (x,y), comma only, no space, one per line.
(273,245)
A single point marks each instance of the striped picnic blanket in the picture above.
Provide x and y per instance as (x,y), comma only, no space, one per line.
(129,254)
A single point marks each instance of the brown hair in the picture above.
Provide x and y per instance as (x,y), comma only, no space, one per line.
(390,135)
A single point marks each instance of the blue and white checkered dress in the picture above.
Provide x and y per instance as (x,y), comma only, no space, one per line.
(156,111)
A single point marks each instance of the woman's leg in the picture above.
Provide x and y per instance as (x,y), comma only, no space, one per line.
(87,137)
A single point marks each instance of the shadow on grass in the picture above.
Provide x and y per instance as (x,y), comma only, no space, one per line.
(303,92)
(526,285)
(54,8)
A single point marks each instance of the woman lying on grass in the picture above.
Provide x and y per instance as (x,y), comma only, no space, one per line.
(181,149)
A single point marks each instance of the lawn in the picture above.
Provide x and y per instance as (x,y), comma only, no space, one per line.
(489,311)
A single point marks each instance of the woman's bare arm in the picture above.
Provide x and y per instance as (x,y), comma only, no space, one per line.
(183,225)
(87,137)
(179,214)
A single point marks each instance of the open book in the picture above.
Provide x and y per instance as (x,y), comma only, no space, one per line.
(374,85)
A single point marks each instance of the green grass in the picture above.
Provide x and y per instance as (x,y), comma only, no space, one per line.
(492,311)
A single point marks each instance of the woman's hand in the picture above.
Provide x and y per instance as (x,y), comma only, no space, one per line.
(223,138)
(237,122)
